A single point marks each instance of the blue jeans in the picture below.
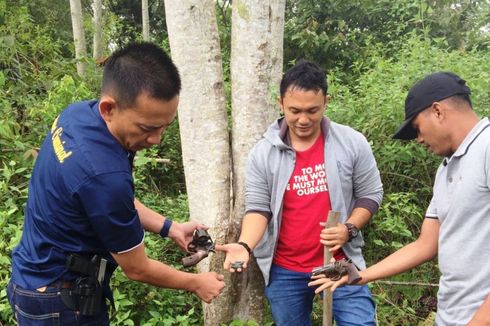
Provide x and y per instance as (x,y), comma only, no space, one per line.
(34,308)
(291,300)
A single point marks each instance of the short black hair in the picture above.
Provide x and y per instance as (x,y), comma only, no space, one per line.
(462,98)
(138,68)
(305,75)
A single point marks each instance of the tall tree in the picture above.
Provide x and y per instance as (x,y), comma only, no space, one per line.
(213,165)
(256,68)
(202,114)
(145,18)
(78,35)
(97,7)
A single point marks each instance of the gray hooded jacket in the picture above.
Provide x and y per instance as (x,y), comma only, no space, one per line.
(352,176)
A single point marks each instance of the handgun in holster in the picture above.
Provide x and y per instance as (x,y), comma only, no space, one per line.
(337,269)
(201,245)
(87,295)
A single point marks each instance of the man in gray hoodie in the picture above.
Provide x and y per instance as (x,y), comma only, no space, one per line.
(305,166)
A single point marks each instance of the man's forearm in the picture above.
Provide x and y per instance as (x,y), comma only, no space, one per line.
(253,228)
(400,261)
(138,267)
(406,258)
(482,315)
(359,217)
(150,220)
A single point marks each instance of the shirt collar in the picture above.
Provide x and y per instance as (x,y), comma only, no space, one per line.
(471,137)
(95,108)
(284,134)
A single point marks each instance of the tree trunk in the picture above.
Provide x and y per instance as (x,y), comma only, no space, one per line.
(78,35)
(97,5)
(254,109)
(145,20)
(206,149)
(194,43)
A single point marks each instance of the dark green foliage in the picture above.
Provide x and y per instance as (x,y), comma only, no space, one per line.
(54,16)
(29,61)
(128,20)
(339,34)
(223,17)
(165,178)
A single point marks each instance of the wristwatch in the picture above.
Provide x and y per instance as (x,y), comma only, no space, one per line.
(353,230)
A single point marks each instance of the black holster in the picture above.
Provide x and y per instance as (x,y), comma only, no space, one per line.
(87,295)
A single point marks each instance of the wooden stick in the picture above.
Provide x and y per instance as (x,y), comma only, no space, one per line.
(332,220)
(407,283)
(158,160)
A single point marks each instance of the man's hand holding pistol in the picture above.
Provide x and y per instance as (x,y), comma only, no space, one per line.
(334,274)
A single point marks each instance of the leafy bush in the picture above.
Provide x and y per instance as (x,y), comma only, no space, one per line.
(166,178)
(339,34)
(29,61)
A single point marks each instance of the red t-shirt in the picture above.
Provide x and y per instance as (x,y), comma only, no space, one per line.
(306,203)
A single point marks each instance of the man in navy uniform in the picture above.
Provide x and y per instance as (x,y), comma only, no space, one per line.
(82,216)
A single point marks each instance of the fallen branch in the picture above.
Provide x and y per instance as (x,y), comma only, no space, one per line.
(158,160)
(406,283)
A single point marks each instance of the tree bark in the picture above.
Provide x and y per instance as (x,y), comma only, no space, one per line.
(145,19)
(97,51)
(253,110)
(206,148)
(78,35)
(194,43)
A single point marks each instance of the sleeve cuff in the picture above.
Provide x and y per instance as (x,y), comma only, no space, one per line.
(368,204)
(267,215)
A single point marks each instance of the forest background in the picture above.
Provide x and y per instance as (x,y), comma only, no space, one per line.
(373,52)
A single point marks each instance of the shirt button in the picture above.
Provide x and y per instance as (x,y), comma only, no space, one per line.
(450,179)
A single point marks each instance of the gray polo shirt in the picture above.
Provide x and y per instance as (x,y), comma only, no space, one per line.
(461,202)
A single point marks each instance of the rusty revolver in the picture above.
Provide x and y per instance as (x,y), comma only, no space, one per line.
(337,269)
(200,246)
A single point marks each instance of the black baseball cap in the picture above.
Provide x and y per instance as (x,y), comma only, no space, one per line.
(434,87)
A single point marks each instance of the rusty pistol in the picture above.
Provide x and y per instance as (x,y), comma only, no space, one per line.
(337,269)
(200,246)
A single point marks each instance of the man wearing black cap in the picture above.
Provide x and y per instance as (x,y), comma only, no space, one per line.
(439,115)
